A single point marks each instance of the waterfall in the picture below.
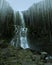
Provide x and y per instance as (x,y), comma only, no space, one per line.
(20,37)
(23,33)
(15,41)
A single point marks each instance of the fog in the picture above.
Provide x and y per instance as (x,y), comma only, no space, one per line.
(21,5)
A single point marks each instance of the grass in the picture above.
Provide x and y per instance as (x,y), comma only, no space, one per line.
(18,56)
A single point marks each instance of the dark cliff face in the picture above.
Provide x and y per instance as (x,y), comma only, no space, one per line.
(6,20)
(38,19)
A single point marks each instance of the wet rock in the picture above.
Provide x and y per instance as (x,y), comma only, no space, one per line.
(49,59)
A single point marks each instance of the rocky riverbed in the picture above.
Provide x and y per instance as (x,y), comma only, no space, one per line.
(19,56)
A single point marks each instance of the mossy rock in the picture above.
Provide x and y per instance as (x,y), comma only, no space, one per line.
(3,44)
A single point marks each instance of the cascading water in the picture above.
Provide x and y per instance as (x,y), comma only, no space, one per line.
(20,37)
(15,41)
(23,33)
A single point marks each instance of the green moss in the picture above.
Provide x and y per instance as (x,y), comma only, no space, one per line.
(17,56)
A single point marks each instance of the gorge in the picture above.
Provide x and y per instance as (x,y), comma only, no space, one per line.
(28,29)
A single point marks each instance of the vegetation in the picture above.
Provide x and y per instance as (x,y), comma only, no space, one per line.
(18,56)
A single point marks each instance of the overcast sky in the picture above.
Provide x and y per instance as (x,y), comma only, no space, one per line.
(20,5)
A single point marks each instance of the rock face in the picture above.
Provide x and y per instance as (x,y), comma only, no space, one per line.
(6,20)
(38,20)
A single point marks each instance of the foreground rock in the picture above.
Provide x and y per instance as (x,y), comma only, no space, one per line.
(13,56)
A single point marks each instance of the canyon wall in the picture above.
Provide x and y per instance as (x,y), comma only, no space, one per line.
(38,19)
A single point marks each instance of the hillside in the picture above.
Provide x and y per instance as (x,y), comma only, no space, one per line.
(39,23)
(6,20)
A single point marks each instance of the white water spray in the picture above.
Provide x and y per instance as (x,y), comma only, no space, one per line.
(20,37)
(23,33)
